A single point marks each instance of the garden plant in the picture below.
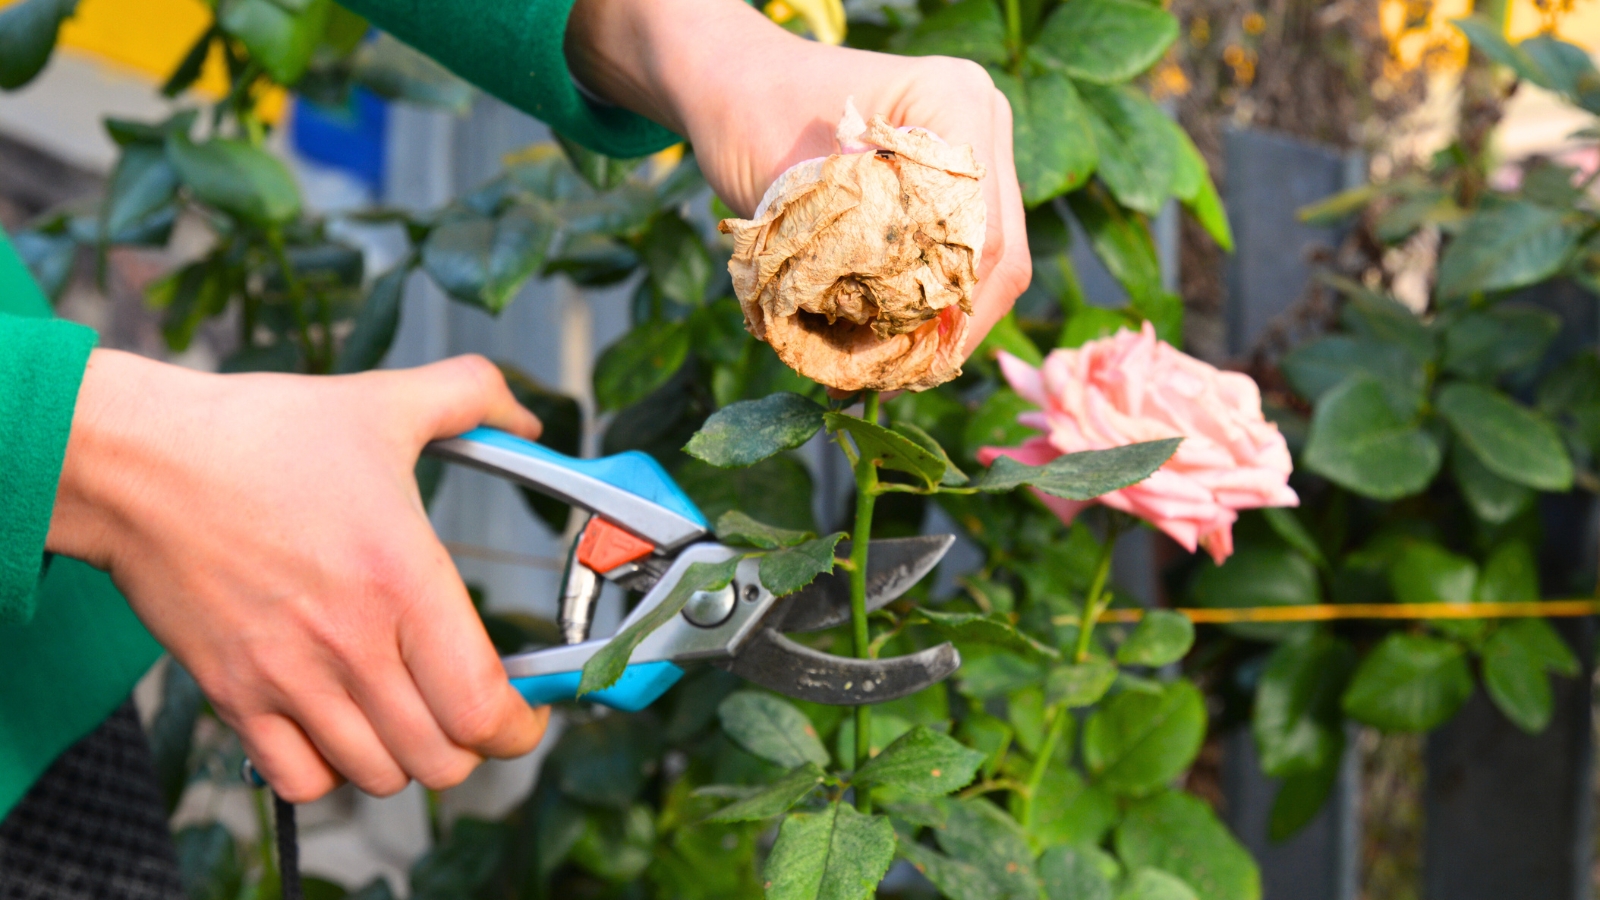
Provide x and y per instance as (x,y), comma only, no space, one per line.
(1053,764)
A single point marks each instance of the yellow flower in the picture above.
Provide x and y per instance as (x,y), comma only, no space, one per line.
(1254,23)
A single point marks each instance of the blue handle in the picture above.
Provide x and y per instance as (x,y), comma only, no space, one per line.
(641,684)
(632,471)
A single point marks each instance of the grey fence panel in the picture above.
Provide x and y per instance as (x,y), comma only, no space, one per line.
(1320,862)
(1270,176)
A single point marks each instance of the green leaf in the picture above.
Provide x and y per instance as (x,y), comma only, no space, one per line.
(1409,682)
(1052,138)
(994,424)
(1161,637)
(172,732)
(484,262)
(1360,442)
(1515,679)
(776,490)
(1483,344)
(1287,525)
(189,68)
(1510,575)
(141,197)
(1073,873)
(1488,37)
(953,477)
(463,864)
(971,29)
(955,879)
(394,71)
(774,798)
(236,177)
(49,258)
(836,854)
(1083,475)
(605,667)
(1319,366)
(1425,572)
(1153,884)
(1104,41)
(279,38)
(734,527)
(1120,239)
(749,431)
(1511,440)
(27,38)
(601,171)
(978,833)
(1138,161)
(376,322)
(1299,799)
(886,729)
(1385,319)
(1259,575)
(1541,643)
(677,260)
(1193,185)
(1297,724)
(891,450)
(1137,742)
(1007,335)
(771,728)
(189,296)
(1178,833)
(1069,810)
(922,762)
(208,862)
(1081,684)
(641,361)
(792,568)
(616,845)
(1492,498)
(982,629)
(1505,247)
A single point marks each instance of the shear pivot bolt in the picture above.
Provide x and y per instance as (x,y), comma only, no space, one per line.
(708,609)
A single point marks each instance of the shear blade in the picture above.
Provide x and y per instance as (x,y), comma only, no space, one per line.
(774,661)
(893,566)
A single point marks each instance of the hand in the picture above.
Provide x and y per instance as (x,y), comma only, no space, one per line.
(754,100)
(268,531)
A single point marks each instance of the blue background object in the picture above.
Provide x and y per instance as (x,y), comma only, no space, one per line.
(639,686)
(349,138)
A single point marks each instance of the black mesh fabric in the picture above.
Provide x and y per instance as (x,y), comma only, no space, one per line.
(93,826)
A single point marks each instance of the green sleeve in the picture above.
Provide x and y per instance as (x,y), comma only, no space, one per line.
(41,365)
(514,50)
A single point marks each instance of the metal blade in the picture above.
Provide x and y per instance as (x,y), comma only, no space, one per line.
(773,661)
(893,566)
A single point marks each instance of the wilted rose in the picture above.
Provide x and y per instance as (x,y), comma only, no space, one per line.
(858,268)
(1132,387)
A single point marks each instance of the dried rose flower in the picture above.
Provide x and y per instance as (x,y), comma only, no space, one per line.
(1131,387)
(858,268)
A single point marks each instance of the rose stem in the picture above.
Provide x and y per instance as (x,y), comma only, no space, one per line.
(1057,714)
(866,496)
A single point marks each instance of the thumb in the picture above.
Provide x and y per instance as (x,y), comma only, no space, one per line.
(456,395)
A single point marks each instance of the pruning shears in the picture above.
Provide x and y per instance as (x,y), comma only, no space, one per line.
(643,534)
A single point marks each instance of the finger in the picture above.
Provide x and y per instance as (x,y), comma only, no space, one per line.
(345,738)
(458,673)
(285,758)
(408,729)
(459,394)
(1008,277)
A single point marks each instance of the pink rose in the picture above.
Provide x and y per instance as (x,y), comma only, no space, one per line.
(1131,387)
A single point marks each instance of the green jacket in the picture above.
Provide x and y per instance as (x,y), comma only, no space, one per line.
(70,649)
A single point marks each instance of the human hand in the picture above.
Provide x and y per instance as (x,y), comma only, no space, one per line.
(754,100)
(267,530)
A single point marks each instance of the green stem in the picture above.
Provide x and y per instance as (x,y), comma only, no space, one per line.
(1092,603)
(265,846)
(1014,34)
(866,470)
(1059,714)
(297,296)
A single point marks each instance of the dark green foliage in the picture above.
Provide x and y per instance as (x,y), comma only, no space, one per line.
(605,667)
(745,433)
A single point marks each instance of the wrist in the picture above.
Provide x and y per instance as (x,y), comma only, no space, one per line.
(681,63)
(114,439)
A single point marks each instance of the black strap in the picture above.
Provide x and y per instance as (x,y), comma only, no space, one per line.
(288,848)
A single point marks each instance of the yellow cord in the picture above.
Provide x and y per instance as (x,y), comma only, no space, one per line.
(1326,612)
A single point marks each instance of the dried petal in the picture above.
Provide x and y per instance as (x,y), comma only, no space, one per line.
(858,268)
